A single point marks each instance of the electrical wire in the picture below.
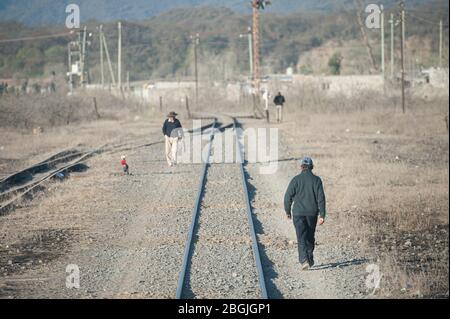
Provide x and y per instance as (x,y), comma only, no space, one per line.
(40,37)
(434,12)
(425,20)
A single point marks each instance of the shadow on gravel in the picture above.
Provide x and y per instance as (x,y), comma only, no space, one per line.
(340,264)
(137,147)
(268,266)
(169,173)
(290,159)
(201,129)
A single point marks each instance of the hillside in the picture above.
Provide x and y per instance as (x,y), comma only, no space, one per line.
(161,47)
(52,12)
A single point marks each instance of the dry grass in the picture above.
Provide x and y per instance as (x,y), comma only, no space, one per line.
(34,126)
(387,178)
(28,112)
(385,173)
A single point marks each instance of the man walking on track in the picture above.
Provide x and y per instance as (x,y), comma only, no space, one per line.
(279,103)
(306,193)
(172,131)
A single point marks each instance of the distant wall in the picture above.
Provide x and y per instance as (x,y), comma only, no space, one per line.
(341,84)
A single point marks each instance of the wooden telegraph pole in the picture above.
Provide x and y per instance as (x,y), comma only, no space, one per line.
(101,56)
(111,72)
(196,42)
(383,70)
(83,58)
(440,43)
(402,52)
(256,52)
(70,67)
(392,22)
(257,5)
(119,62)
(250,50)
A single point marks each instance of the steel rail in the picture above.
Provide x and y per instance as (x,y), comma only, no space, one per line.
(256,254)
(196,210)
(187,250)
(53,160)
(10,194)
(11,203)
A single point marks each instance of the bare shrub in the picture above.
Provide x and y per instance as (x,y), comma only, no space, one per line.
(50,110)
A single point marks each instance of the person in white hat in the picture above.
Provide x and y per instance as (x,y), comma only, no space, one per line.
(173,132)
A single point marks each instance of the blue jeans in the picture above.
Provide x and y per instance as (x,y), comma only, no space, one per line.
(305,227)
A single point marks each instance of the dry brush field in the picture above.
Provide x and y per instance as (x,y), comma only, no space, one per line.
(385,172)
(387,178)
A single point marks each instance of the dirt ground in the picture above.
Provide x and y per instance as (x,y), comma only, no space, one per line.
(127,233)
(386,175)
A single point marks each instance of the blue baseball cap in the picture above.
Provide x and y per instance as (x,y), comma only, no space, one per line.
(307,161)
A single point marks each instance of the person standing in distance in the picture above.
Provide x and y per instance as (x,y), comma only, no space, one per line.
(279,103)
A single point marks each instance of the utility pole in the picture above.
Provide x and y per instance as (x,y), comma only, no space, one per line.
(392,22)
(111,72)
(119,58)
(383,71)
(196,42)
(440,43)
(70,68)
(256,52)
(257,5)
(83,58)
(250,50)
(402,50)
(101,56)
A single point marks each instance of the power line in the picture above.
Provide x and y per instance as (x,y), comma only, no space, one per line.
(40,37)
(434,12)
(426,20)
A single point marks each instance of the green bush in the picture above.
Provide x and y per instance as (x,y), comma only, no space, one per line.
(335,63)
(30,60)
(56,54)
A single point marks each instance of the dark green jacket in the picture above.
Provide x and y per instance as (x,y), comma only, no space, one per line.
(306,192)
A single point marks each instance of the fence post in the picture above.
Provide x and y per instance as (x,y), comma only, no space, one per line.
(187,107)
(95,108)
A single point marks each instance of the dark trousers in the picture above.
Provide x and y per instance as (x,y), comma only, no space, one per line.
(305,227)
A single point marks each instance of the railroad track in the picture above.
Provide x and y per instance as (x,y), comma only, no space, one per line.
(26,182)
(10,180)
(221,257)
